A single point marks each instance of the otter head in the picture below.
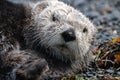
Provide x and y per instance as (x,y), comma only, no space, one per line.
(64,32)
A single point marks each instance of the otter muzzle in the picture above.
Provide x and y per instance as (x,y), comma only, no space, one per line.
(69,35)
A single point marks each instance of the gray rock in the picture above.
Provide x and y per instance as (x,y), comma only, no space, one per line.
(100,75)
(109,71)
(100,72)
(115,15)
(89,74)
(79,2)
(118,73)
(93,14)
(102,5)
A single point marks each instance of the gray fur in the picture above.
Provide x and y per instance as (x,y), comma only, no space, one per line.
(31,44)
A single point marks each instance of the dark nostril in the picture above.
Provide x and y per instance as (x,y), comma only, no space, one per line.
(69,35)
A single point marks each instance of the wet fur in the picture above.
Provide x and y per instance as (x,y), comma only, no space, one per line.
(23,51)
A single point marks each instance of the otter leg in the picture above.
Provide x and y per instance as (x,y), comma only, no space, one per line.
(24,65)
(32,69)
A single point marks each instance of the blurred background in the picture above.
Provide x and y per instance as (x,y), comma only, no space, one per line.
(105,15)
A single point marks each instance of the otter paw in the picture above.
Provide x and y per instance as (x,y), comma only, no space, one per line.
(32,70)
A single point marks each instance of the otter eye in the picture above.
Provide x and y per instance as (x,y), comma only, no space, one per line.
(85,30)
(54,18)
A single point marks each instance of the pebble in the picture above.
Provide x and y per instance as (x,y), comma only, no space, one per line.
(109,71)
(89,75)
(100,72)
(103,8)
(115,15)
(100,75)
(79,2)
(118,73)
(93,14)
(117,3)
(90,69)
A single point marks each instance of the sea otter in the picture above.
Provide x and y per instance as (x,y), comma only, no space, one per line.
(47,38)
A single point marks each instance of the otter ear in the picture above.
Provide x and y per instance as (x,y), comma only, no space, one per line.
(38,7)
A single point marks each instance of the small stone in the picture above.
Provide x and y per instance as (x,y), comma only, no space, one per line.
(96,22)
(90,69)
(82,74)
(93,14)
(100,72)
(118,73)
(94,73)
(79,2)
(118,69)
(99,75)
(104,8)
(117,3)
(89,75)
(115,15)
(110,24)
(109,71)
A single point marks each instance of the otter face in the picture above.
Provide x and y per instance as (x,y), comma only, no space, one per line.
(66,31)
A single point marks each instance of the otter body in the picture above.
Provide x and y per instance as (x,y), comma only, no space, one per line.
(48,38)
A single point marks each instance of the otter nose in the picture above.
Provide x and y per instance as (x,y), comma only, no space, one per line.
(69,35)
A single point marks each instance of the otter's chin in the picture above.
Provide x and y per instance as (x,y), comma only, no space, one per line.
(65,54)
